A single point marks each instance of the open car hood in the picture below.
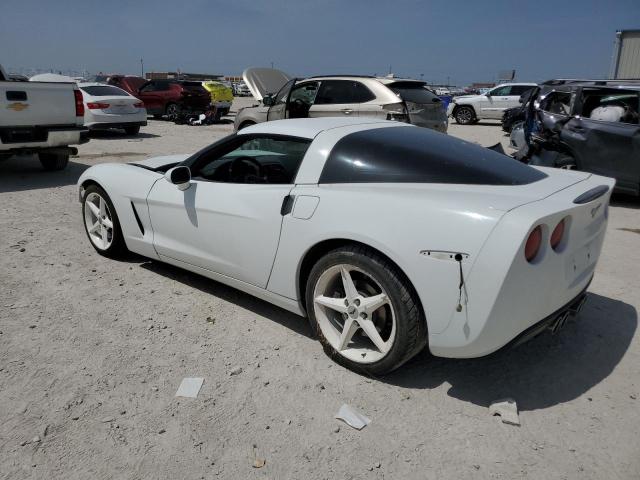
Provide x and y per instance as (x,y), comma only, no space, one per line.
(262,81)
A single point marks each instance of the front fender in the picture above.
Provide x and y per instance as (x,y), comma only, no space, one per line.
(128,187)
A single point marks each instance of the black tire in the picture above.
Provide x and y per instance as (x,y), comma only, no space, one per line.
(465,115)
(118,248)
(157,116)
(132,130)
(411,327)
(566,162)
(53,161)
(246,124)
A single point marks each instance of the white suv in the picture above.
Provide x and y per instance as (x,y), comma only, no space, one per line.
(471,108)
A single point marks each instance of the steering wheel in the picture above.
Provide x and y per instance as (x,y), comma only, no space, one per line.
(238,171)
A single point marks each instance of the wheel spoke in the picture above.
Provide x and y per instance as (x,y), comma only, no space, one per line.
(95,227)
(371,304)
(350,327)
(102,208)
(336,304)
(347,282)
(370,329)
(94,209)
(107,223)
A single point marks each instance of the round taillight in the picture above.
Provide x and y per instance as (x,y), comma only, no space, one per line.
(556,236)
(532,247)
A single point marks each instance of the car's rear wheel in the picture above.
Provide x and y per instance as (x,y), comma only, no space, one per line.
(53,161)
(132,130)
(464,115)
(172,111)
(101,223)
(364,311)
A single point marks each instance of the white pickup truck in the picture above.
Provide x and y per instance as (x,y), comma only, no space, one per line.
(42,118)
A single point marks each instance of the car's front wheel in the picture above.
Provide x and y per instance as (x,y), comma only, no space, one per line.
(364,311)
(464,115)
(172,111)
(101,223)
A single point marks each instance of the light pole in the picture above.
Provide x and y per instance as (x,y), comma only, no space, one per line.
(142,68)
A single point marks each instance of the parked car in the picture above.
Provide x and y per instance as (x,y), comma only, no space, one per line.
(221,97)
(165,97)
(107,106)
(344,96)
(467,109)
(589,125)
(43,118)
(241,90)
(355,223)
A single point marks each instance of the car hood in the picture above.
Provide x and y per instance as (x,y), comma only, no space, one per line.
(155,163)
(467,97)
(262,81)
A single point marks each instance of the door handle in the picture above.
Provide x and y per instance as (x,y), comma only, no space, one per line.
(347,111)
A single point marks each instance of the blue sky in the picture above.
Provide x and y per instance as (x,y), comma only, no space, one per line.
(463,41)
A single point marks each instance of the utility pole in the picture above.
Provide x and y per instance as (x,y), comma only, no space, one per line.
(142,68)
(271,65)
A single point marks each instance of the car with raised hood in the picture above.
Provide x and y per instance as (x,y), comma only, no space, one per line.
(107,107)
(467,109)
(356,223)
(587,125)
(221,97)
(43,116)
(385,98)
(165,97)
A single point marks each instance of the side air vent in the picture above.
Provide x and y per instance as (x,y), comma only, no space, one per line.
(591,195)
(135,214)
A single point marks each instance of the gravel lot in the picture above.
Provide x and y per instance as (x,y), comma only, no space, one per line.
(92,352)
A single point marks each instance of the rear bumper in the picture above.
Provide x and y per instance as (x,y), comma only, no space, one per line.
(25,138)
(115,124)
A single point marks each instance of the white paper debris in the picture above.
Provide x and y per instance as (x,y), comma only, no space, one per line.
(352,418)
(190,387)
(507,409)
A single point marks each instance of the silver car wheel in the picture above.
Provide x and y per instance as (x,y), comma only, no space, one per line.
(354,313)
(98,221)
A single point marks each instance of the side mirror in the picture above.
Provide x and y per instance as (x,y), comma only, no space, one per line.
(268,101)
(488,94)
(179,176)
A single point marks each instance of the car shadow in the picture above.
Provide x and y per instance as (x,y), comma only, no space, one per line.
(624,200)
(119,135)
(25,173)
(546,371)
(285,318)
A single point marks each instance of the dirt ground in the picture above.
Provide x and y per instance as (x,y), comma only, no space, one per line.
(92,352)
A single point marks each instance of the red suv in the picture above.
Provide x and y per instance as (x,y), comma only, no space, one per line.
(165,97)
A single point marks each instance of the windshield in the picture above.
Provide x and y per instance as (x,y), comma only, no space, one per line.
(414,92)
(104,91)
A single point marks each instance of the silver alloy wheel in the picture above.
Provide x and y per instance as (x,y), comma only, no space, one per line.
(98,221)
(463,115)
(354,313)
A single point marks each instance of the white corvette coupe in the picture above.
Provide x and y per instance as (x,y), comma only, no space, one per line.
(389,237)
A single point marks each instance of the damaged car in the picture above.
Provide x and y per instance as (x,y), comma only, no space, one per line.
(384,98)
(356,224)
(588,125)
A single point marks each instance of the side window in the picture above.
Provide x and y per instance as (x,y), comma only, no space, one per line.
(520,89)
(362,93)
(283,93)
(557,102)
(253,159)
(161,86)
(305,93)
(149,87)
(501,91)
(338,91)
(611,105)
